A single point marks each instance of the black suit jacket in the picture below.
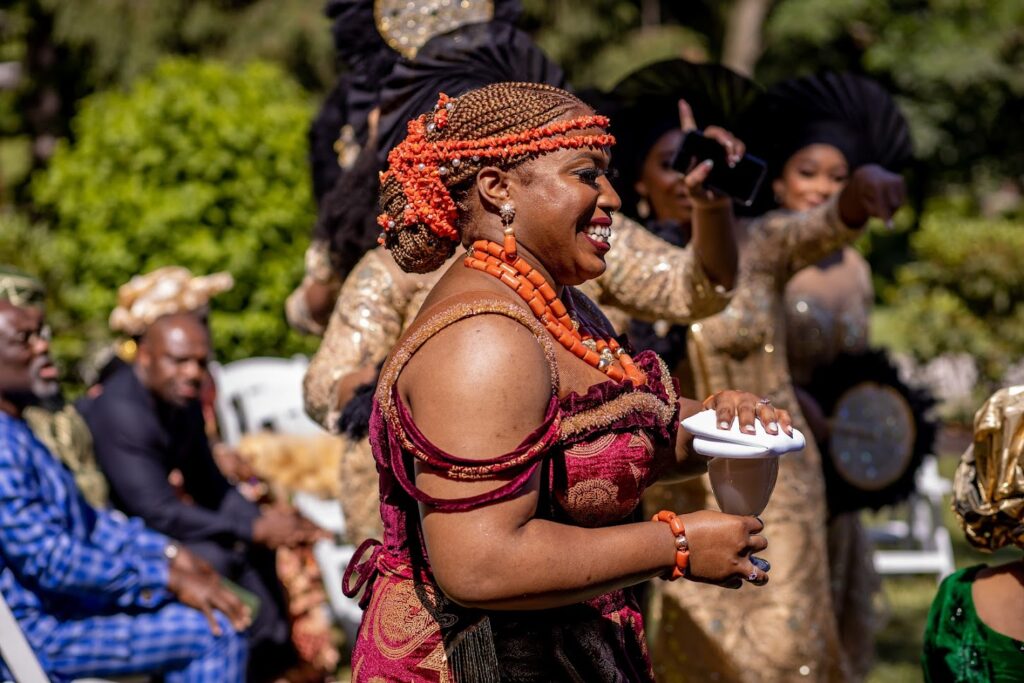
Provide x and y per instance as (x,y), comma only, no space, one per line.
(139,440)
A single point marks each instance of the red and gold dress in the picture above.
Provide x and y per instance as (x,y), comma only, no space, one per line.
(597,452)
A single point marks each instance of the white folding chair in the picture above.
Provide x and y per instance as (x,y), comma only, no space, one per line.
(261,393)
(266,393)
(926,544)
(17,654)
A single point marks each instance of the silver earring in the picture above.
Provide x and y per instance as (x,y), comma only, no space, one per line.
(508,213)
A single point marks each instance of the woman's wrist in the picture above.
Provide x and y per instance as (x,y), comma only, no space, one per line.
(681,546)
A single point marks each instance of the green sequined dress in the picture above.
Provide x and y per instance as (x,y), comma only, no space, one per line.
(959,647)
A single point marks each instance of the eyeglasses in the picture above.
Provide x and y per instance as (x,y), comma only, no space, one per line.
(29,338)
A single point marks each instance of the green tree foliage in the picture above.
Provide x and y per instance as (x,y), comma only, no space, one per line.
(600,41)
(121,40)
(957,67)
(199,164)
(963,293)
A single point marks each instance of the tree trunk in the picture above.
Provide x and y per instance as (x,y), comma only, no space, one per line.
(743,35)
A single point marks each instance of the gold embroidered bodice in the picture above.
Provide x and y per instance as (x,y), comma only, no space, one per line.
(827,309)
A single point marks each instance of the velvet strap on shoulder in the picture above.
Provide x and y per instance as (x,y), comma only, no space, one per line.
(403,436)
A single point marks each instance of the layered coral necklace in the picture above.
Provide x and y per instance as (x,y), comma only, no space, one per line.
(604,354)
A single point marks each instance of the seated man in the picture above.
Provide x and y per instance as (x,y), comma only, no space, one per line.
(53,421)
(147,422)
(96,594)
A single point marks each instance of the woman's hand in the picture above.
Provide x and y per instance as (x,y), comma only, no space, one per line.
(730,404)
(872,192)
(721,546)
(694,180)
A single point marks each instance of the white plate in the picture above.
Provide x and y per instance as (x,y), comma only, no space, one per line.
(704,425)
(711,448)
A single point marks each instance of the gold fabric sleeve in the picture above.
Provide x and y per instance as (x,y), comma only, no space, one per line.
(318,270)
(805,237)
(366,322)
(649,278)
(988,492)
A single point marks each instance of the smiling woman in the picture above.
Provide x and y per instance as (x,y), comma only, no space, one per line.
(509,468)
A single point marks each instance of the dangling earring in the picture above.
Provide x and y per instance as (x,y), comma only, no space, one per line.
(643,208)
(508,214)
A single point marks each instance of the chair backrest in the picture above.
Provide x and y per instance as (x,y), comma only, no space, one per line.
(258,394)
(15,650)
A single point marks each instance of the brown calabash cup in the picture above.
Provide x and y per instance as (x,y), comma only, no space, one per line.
(743,486)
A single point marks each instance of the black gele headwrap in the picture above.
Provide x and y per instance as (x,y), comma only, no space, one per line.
(852,113)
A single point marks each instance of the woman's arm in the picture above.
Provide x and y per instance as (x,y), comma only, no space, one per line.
(651,279)
(809,236)
(366,322)
(309,306)
(477,390)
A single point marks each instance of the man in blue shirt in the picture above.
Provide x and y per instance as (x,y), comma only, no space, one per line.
(95,593)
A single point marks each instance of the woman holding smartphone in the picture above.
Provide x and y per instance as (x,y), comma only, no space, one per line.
(746,346)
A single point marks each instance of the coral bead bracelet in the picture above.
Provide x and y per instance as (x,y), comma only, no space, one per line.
(675,524)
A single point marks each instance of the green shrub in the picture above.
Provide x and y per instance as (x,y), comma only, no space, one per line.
(198,164)
(964,292)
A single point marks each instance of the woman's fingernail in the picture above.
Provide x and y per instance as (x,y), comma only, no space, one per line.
(773,427)
(709,163)
(749,429)
(723,424)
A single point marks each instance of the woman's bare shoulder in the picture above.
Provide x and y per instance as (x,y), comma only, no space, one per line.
(479,385)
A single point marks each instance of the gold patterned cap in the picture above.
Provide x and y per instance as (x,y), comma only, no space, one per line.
(20,288)
(988,493)
(406,25)
(165,291)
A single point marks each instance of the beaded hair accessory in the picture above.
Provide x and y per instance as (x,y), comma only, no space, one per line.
(421,165)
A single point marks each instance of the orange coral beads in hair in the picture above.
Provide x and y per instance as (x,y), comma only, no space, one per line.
(421,165)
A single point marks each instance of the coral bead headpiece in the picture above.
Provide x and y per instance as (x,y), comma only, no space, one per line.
(421,165)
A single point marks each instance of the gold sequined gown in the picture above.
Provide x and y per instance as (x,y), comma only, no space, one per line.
(828,306)
(785,631)
(646,277)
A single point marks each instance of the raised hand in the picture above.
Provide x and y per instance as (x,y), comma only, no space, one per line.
(694,180)
(872,192)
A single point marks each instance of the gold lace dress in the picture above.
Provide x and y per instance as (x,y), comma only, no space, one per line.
(785,631)
(827,310)
(646,277)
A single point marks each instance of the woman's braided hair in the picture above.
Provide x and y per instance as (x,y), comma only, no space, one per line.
(431,172)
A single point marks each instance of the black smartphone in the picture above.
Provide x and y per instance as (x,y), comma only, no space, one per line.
(741,182)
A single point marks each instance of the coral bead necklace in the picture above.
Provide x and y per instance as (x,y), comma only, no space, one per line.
(604,354)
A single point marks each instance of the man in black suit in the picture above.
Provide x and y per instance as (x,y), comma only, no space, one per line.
(148,422)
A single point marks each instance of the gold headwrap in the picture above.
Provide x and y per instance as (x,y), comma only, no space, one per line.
(406,25)
(989,487)
(21,289)
(165,291)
